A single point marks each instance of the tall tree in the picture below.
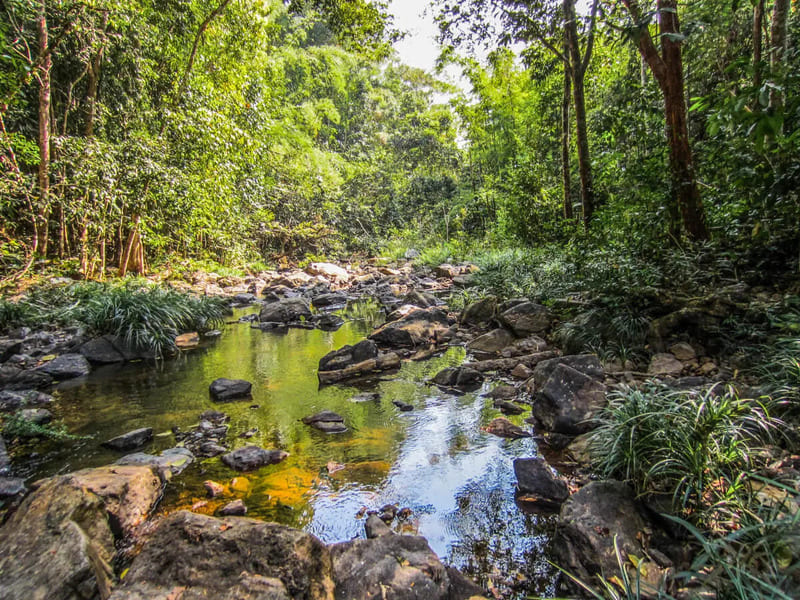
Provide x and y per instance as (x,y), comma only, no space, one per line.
(666,66)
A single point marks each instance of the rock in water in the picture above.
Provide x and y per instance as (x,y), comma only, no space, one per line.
(288,310)
(376,527)
(67,366)
(239,558)
(403,406)
(465,379)
(325,415)
(234,509)
(508,408)
(131,440)
(223,389)
(504,428)
(537,482)
(250,458)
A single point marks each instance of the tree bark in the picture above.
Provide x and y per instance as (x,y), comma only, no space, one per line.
(43,175)
(667,69)
(758,24)
(93,73)
(778,42)
(565,168)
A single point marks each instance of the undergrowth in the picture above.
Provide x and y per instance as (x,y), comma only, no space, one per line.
(145,316)
(16,427)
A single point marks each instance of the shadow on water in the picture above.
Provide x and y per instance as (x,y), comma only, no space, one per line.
(457,480)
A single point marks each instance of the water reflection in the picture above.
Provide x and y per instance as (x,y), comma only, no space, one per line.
(457,480)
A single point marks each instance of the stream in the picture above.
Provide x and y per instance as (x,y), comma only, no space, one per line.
(457,480)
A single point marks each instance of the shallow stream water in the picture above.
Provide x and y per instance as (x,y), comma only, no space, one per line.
(457,480)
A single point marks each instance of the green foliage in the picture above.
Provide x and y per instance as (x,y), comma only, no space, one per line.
(696,447)
(147,317)
(15,427)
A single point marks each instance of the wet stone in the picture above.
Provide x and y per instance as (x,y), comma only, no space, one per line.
(250,458)
(131,440)
(224,389)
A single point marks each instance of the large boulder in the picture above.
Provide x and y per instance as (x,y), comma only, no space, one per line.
(588,364)
(395,567)
(492,342)
(59,544)
(67,366)
(347,356)
(537,483)
(251,458)
(224,389)
(420,327)
(238,559)
(568,401)
(286,311)
(590,522)
(108,349)
(527,318)
(480,312)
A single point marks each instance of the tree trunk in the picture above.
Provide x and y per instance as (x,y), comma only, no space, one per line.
(42,214)
(565,170)
(778,42)
(758,23)
(93,73)
(667,69)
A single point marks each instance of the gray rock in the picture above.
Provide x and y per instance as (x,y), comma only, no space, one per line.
(461,378)
(375,527)
(537,482)
(235,508)
(8,348)
(250,458)
(109,349)
(37,416)
(329,426)
(403,406)
(13,378)
(508,408)
(5,459)
(395,567)
(503,392)
(588,364)
(328,322)
(323,416)
(568,401)
(287,310)
(683,351)
(244,298)
(421,327)
(664,364)
(527,318)
(12,401)
(328,300)
(239,559)
(223,389)
(67,366)
(420,299)
(169,463)
(480,312)
(348,355)
(12,486)
(492,342)
(131,440)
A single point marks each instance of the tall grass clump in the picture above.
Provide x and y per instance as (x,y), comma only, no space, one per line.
(145,316)
(696,447)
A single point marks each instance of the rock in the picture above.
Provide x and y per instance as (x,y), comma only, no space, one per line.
(67,366)
(376,527)
(348,355)
(14,378)
(5,459)
(683,351)
(223,389)
(521,371)
(421,327)
(11,487)
(462,378)
(420,299)
(107,349)
(504,428)
(329,322)
(664,364)
(395,567)
(492,342)
(589,522)
(213,488)
(480,312)
(8,348)
(250,458)
(234,509)
(329,271)
(131,440)
(588,364)
(323,416)
(508,408)
(12,401)
(239,559)
(527,318)
(37,416)
(245,298)
(403,406)
(696,321)
(537,482)
(568,401)
(169,463)
(288,310)
(187,340)
(503,392)
(366,397)
(59,543)
(328,300)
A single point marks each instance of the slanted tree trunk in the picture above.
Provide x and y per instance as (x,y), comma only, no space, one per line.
(565,169)
(667,69)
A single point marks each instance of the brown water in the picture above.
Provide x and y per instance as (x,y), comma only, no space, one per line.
(457,480)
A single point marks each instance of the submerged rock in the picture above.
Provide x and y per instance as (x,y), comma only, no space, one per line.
(504,428)
(403,406)
(131,440)
(169,463)
(239,558)
(327,421)
(250,458)
(224,389)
